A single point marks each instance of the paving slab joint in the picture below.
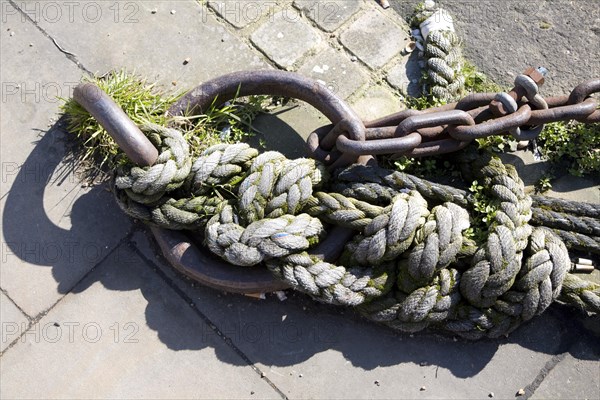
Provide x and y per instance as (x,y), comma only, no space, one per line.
(231,15)
(3,291)
(27,317)
(70,56)
(205,319)
(32,321)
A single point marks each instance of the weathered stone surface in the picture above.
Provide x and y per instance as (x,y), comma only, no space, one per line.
(285,38)
(53,229)
(334,69)
(374,38)
(155,45)
(405,76)
(576,376)
(576,189)
(287,128)
(125,333)
(377,102)
(329,15)
(564,186)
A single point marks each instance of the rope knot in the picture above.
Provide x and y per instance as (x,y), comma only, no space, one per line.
(276,186)
(261,240)
(220,165)
(147,185)
(407,266)
(333,284)
(392,232)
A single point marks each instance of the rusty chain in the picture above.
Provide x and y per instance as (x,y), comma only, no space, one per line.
(522,113)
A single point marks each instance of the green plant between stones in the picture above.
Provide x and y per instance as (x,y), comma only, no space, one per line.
(572,145)
(146,102)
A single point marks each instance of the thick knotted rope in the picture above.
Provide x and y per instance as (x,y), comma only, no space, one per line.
(440,46)
(376,185)
(496,264)
(391,233)
(412,262)
(147,185)
(333,284)
(220,165)
(261,240)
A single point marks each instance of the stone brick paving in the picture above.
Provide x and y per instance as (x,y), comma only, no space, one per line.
(349,45)
(285,38)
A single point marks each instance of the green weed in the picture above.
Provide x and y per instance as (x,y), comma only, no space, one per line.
(544,183)
(572,145)
(145,102)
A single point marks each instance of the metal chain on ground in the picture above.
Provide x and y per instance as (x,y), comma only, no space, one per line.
(449,128)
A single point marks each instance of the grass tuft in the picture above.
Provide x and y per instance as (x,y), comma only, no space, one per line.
(142,101)
(145,102)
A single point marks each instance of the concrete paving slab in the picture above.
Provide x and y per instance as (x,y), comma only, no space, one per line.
(310,350)
(573,377)
(566,186)
(285,38)
(124,333)
(335,70)
(106,36)
(12,322)
(329,15)
(286,129)
(53,229)
(377,102)
(405,75)
(374,38)
(569,187)
(34,75)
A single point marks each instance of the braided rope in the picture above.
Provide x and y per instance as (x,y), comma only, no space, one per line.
(263,239)
(333,284)
(572,223)
(147,185)
(566,206)
(442,52)
(390,234)
(341,210)
(581,293)
(220,165)
(410,265)
(377,185)
(496,264)
(415,310)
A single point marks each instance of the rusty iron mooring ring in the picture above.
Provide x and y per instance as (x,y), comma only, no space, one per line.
(265,82)
(278,83)
(178,247)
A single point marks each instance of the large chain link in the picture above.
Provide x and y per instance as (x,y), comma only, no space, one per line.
(521,113)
